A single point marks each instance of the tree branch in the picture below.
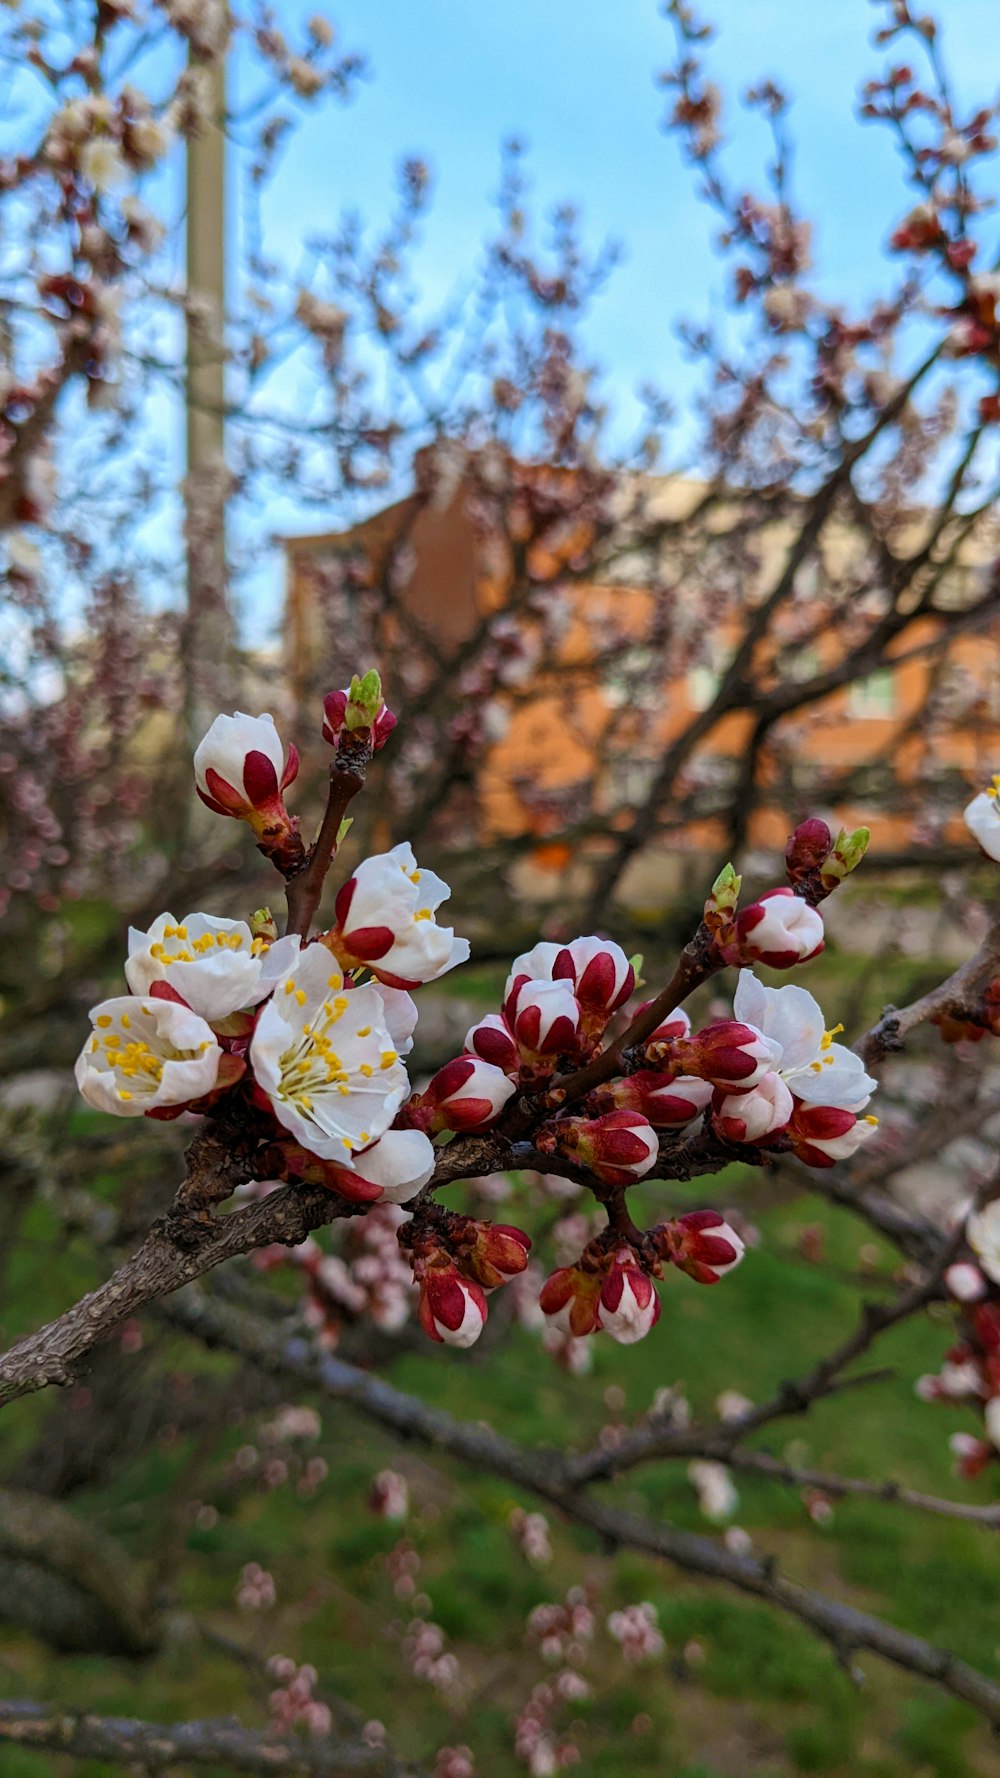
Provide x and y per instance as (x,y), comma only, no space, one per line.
(546,1474)
(130,1742)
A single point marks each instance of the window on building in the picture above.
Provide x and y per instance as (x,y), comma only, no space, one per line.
(874,697)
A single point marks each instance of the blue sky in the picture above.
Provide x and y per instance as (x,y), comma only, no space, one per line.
(576,80)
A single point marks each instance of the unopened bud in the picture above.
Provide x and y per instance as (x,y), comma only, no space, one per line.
(725,892)
(848,851)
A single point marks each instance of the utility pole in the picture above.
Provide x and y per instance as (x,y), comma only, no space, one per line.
(209,641)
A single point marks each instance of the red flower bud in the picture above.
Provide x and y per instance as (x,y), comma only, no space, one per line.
(757,1116)
(498,1253)
(779,929)
(822,1134)
(452,1309)
(492,1040)
(618,1147)
(629,1305)
(570,1297)
(702,1244)
(726,1053)
(666,1100)
(376,727)
(466,1094)
(807,851)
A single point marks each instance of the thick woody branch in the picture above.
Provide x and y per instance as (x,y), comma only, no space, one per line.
(192,1240)
(545,1474)
(152,1746)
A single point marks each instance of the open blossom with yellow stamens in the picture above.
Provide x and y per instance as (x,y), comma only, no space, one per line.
(323,1057)
(216,966)
(145,1054)
(812,1066)
(982,818)
(385,919)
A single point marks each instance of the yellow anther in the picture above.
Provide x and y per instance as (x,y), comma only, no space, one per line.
(300,996)
(335,982)
(366,1069)
(103,1020)
(423,914)
(414,876)
(126,1021)
(346,1143)
(289,987)
(828,1036)
(388,1058)
(365,1031)
(123,1093)
(870,1120)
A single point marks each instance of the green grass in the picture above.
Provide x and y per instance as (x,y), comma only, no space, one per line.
(753,1681)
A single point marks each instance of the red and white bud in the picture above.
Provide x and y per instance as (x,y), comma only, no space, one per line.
(600,973)
(370,718)
(498,1253)
(779,929)
(385,919)
(756,1116)
(466,1094)
(597,970)
(728,1054)
(240,769)
(666,1100)
(965,1282)
(570,1298)
(545,1019)
(492,1040)
(452,1309)
(619,1147)
(702,1244)
(629,1305)
(677,1024)
(824,1134)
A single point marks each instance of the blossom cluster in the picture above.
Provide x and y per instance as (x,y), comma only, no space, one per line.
(297,1047)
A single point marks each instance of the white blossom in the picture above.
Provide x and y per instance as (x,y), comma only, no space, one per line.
(324,1057)
(815,1068)
(385,918)
(144,1054)
(217,966)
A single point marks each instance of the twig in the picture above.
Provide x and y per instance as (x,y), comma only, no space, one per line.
(954,994)
(152,1746)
